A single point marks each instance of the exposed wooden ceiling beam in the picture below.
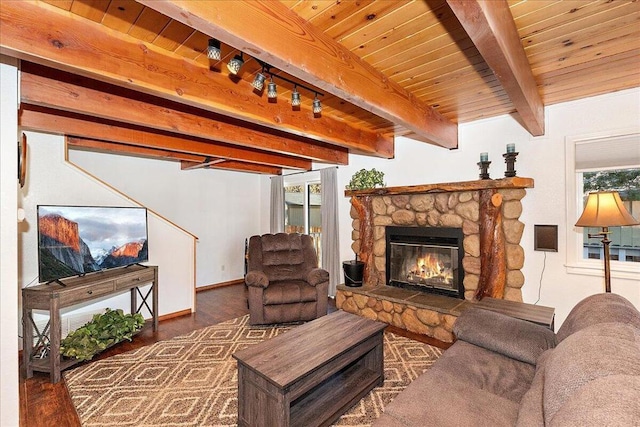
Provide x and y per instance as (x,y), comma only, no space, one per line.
(207,163)
(73,93)
(490,26)
(196,162)
(270,31)
(71,43)
(234,166)
(244,167)
(85,144)
(59,122)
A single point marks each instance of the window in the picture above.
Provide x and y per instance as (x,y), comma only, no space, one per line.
(302,210)
(625,241)
(598,163)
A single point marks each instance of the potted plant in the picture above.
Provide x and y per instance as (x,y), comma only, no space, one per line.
(364,179)
(102,332)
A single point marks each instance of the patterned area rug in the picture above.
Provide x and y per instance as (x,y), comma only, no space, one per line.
(191,380)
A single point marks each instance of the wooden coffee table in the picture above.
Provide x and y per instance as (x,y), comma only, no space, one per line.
(311,375)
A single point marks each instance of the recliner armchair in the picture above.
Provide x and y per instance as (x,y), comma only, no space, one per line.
(283,281)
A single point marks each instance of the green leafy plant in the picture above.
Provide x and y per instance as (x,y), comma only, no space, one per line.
(364,179)
(103,331)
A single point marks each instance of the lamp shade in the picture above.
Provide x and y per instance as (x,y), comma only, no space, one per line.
(234,65)
(317,106)
(605,209)
(295,98)
(258,81)
(272,90)
(213,49)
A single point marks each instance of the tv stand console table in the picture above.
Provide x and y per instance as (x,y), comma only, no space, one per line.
(71,291)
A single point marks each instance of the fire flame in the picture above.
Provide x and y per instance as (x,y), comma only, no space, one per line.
(430,266)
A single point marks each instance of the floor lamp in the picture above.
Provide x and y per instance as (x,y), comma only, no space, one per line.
(605,209)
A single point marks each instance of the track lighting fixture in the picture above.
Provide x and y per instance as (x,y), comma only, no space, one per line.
(213,50)
(258,81)
(317,106)
(295,97)
(234,65)
(272,90)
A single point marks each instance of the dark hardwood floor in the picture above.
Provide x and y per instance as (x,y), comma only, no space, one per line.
(45,404)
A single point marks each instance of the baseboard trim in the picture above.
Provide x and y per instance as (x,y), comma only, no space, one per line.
(219,285)
(175,314)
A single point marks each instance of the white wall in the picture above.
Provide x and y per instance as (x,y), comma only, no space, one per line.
(541,158)
(53,181)
(9,402)
(221,208)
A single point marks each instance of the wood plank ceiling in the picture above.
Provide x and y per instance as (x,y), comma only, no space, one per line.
(133,77)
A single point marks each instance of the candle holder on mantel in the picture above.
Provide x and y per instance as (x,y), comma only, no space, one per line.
(510,160)
(484,169)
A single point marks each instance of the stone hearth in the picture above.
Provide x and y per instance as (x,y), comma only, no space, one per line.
(488,212)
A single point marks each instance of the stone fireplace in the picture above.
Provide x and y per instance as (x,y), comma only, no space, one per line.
(485,212)
(426,259)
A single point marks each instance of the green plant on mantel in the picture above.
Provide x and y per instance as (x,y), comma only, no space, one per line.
(103,331)
(364,179)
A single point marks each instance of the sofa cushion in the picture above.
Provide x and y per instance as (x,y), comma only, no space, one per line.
(281,242)
(286,313)
(515,338)
(607,401)
(486,370)
(594,352)
(439,399)
(531,412)
(287,292)
(599,308)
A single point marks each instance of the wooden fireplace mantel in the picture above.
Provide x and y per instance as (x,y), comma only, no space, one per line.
(447,187)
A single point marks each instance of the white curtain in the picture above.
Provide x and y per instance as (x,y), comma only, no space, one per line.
(330,233)
(277,205)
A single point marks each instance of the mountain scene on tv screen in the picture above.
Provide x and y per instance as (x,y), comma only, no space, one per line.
(75,241)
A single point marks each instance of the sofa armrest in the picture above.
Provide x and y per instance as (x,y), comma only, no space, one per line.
(511,337)
(316,276)
(256,278)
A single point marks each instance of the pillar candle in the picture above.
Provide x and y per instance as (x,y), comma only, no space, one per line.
(511,148)
(484,157)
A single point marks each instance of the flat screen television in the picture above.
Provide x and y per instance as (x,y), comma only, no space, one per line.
(76,240)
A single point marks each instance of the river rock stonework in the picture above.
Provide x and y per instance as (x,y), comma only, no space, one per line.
(452,209)
(404,316)
(437,205)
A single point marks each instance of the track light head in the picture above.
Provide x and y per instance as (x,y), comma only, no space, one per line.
(213,50)
(295,97)
(272,90)
(317,106)
(258,81)
(234,65)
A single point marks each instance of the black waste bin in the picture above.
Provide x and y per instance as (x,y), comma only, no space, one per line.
(353,271)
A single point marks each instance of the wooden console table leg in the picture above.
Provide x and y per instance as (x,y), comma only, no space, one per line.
(154,297)
(27,341)
(54,338)
(134,300)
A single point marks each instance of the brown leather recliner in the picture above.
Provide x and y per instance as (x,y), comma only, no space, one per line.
(283,280)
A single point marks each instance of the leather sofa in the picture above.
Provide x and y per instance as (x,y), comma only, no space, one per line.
(503,371)
(283,280)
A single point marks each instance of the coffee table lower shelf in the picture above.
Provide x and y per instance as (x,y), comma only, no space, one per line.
(330,400)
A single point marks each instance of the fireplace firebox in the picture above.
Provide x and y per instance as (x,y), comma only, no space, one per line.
(426,259)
